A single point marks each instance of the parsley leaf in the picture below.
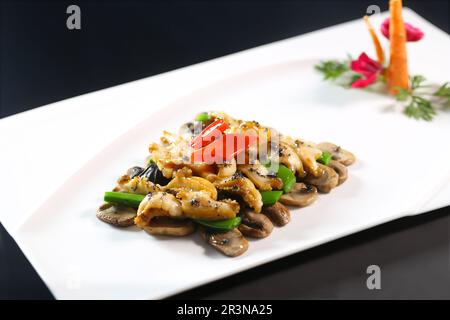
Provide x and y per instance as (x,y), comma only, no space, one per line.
(420,108)
(332,69)
(419,104)
(402,94)
(416,82)
(444,93)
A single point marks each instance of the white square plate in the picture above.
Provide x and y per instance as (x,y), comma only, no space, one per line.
(399,165)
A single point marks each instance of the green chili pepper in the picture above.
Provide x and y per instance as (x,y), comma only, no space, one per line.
(325,158)
(131,200)
(287,177)
(202,117)
(221,225)
(269,198)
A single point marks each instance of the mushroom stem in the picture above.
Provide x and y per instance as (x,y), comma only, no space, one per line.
(340,169)
(326,180)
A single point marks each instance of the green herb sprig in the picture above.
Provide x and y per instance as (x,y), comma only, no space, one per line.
(419,102)
(338,72)
(332,69)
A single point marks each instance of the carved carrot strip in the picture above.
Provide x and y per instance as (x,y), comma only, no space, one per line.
(375,40)
(397,74)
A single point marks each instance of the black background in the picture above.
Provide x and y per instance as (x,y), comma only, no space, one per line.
(43,62)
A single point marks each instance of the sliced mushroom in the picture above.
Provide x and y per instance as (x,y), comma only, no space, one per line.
(187,130)
(278,214)
(341,155)
(231,243)
(135,171)
(170,227)
(340,169)
(301,195)
(255,225)
(326,179)
(116,215)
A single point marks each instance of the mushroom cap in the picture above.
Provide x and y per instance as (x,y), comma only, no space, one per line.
(326,179)
(255,225)
(116,215)
(170,227)
(337,153)
(340,169)
(231,243)
(301,195)
(278,214)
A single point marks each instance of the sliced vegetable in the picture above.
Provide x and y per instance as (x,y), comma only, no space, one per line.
(225,148)
(212,132)
(202,117)
(397,72)
(325,158)
(287,177)
(131,200)
(134,171)
(153,174)
(222,225)
(269,198)
(375,40)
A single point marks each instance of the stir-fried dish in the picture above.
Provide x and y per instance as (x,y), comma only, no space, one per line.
(228,178)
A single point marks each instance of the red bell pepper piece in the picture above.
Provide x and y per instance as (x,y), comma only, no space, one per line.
(225,148)
(209,134)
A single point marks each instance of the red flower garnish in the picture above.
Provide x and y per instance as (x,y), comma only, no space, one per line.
(369,68)
(412,33)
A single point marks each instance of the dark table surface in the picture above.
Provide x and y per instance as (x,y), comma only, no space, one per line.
(121,41)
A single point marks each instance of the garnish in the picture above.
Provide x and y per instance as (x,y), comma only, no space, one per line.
(375,40)
(339,72)
(368,68)
(332,69)
(397,71)
(418,101)
(412,33)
